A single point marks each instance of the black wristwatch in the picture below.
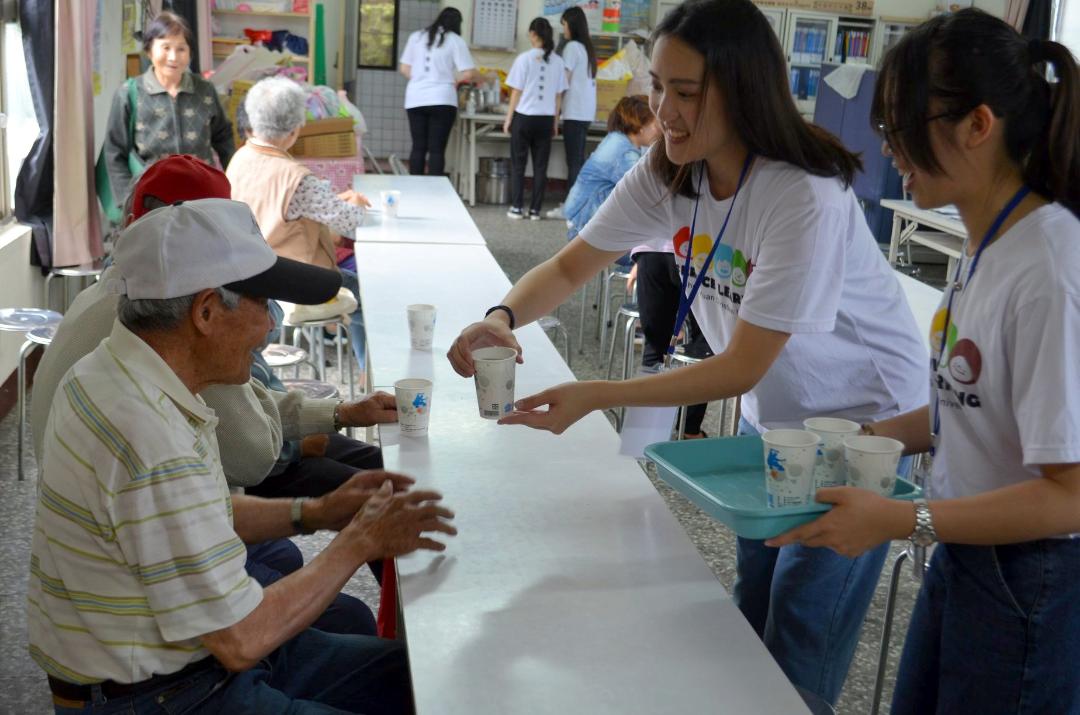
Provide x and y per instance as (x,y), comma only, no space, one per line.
(509,313)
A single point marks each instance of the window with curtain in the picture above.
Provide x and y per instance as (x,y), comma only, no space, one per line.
(376,37)
(18,126)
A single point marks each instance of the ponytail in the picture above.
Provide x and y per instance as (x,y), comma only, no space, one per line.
(1053,167)
(542,29)
(970,58)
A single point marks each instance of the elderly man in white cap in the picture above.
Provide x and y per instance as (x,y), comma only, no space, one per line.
(138,597)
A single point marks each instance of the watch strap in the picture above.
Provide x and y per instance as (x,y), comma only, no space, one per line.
(296,516)
(507,310)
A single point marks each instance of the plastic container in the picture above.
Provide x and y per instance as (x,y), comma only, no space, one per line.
(726,479)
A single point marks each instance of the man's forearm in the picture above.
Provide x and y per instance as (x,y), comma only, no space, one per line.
(256,519)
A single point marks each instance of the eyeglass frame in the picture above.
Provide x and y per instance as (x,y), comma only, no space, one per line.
(881,130)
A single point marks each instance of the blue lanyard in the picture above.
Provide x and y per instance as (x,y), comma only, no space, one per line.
(685,301)
(956,287)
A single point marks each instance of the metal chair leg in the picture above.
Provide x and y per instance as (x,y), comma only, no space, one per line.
(886,632)
(611,354)
(24,351)
(628,347)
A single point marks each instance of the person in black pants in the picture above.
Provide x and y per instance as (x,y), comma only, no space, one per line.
(579,104)
(537,81)
(658,284)
(434,60)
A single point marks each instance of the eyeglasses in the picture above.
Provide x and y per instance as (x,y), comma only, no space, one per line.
(887,134)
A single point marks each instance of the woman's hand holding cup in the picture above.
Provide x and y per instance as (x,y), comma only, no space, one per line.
(492,331)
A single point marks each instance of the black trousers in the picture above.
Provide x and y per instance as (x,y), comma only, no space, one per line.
(658,285)
(430,128)
(315,476)
(574,133)
(529,134)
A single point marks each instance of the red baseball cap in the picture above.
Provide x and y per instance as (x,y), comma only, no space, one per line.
(179,177)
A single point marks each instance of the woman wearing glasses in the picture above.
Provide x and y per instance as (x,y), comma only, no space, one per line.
(790,289)
(972,121)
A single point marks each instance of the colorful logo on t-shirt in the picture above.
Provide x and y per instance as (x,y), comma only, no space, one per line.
(961,358)
(728,264)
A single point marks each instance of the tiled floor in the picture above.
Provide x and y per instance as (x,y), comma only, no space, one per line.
(518,245)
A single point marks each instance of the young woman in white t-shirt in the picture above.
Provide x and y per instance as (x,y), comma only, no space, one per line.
(966,111)
(803,313)
(435,60)
(537,81)
(579,102)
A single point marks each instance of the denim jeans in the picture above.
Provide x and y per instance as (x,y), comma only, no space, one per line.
(996,629)
(807,605)
(273,560)
(356,320)
(315,672)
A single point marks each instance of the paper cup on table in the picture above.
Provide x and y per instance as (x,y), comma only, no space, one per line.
(495,381)
(790,455)
(390,201)
(830,470)
(872,462)
(421,317)
(413,397)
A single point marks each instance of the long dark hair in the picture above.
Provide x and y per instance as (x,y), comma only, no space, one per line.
(542,28)
(449,20)
(970,58)
(743,60)
(574,18)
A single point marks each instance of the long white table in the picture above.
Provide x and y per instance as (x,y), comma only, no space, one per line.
(570,588)
(430,212)
(947,237)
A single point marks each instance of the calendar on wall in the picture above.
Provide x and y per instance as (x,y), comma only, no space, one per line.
(494,24)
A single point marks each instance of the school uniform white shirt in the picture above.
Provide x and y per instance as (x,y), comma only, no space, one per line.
(1008,382)
(797,257)
(539,82)
(579,103)
(433,69)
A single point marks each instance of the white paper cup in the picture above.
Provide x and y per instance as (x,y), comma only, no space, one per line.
(830,470)
(421,317)
(872,462)
(790,455)
(390,201)
(413,397)
(495,381)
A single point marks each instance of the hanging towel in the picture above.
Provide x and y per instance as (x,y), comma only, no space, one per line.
(845,79)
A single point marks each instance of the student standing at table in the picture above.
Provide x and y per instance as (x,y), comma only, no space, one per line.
(579,102)
(434,61)
(967,113)
(537,81)
(795,298)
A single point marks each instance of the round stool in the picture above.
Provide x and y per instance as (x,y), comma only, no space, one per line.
(279,356)
(630,313)
(552,323)
(315,389)
(728,407)
(312,330)
(92,270)
(40,327)
(612,273)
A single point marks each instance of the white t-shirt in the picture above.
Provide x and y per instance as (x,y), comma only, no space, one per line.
(538,81)
(579,104)
(797,257)
(432,76)
(1009,381)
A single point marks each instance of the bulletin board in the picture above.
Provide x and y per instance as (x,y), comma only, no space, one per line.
(494,24)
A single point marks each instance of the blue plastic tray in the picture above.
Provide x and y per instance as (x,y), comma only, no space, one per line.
(725,477)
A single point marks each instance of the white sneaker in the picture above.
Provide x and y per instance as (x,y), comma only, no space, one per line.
(515,214)
(556,212)
(534,216)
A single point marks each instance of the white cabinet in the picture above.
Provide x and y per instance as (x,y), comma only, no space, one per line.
(888,33)
(809,38)
(776,17)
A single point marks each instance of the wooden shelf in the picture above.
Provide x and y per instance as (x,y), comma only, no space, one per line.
(241,13)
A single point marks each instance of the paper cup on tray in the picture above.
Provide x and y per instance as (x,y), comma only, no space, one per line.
(495,381)
(790,455)
(413,398)
(872,461)
(421,317)
(830,470)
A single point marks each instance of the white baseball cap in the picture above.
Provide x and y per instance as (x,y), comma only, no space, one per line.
(190,246)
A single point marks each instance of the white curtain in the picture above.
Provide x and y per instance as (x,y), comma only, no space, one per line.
(1015,12)
(76,218)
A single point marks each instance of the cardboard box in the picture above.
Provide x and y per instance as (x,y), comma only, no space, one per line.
(608,94)
(333,125)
